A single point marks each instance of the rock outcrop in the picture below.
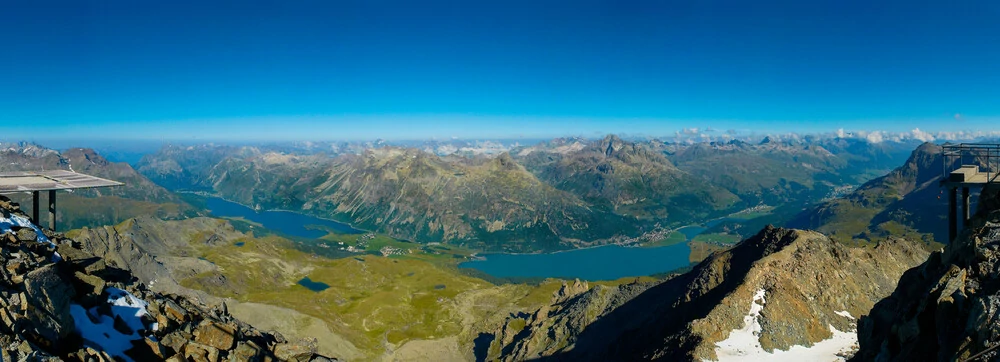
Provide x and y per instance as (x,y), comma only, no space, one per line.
(813,287)
(948,308)
(158,252)
(59,302)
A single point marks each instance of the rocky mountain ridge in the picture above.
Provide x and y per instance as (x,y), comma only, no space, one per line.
(947,308)
(814,288)
(63,303)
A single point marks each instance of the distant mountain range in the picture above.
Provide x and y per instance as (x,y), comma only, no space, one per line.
(552,195)
(628,178)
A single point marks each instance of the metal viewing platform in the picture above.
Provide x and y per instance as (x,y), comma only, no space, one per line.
(51,181)
(967,165)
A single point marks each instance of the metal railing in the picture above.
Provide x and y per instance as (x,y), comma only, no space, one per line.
(984,155)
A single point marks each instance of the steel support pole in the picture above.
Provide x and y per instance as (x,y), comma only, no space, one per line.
(966,213)
(34,207)
(952,213)
(52,210)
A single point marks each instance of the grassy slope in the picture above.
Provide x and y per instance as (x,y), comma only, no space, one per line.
(377,303)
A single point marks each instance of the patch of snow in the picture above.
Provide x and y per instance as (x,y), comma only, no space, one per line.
(845,313)
(126,305)
(744,344)
(6,223)
(98,330)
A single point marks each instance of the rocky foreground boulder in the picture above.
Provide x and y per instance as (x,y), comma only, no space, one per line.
(59,302)
(948,308)
(783,293)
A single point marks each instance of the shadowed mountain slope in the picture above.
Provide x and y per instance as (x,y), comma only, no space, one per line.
(948,308)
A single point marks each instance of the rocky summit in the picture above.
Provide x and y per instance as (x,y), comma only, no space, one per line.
(59,302)
(783,293)
(948,308)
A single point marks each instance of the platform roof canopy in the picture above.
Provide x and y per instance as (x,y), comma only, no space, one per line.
(51,181)
(22,181)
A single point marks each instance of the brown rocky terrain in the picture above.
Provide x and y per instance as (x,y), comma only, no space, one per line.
(811,284)
(163,253)
(60,302)
(946,309)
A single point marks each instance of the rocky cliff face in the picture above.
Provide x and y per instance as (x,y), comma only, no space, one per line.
(157,251)
(948,308)
(60,302)
(778,289)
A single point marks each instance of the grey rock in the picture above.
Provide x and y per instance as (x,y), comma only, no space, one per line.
(176,340)
(27,234)
(50,296)
(90,283)
(217,335)
(201,353)
(246,351)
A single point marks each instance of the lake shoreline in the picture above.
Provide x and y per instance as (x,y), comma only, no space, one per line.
(593,264)
(208,194)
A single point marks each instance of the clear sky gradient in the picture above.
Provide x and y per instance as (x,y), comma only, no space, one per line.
(415,69)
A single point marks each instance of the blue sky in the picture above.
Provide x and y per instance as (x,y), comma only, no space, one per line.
(407,69)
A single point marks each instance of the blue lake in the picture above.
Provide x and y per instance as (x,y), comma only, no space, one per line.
(313,285)
(285,222)
(691,231)
(601,263)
